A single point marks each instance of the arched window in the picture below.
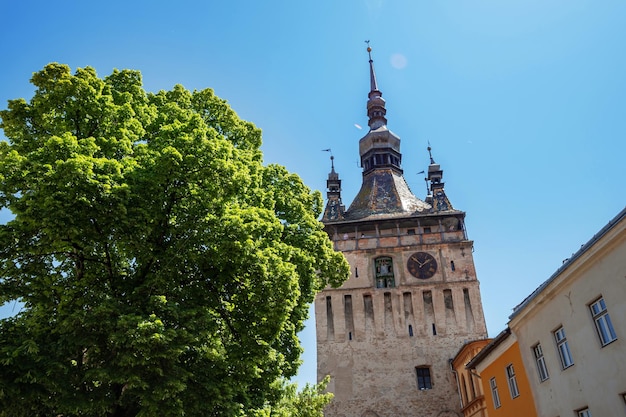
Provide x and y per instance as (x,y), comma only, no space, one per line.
(472,387)
(464,387)
(383,268)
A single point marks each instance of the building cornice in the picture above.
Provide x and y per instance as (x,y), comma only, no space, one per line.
(565,269)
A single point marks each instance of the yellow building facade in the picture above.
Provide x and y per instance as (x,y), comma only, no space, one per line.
(471,393)
(503,379)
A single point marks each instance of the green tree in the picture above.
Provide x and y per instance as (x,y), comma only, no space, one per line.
(308,402)
(162,268)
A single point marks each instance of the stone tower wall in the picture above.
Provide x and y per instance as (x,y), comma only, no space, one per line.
(370,340)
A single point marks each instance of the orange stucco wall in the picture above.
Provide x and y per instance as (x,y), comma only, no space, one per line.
(520,406)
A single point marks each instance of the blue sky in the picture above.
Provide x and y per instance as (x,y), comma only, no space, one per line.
(521,100)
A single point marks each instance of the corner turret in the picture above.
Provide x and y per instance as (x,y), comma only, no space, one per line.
(437,197)
(334,208)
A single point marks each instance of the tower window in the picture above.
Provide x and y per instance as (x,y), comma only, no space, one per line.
(427,230)
(423,377)
(452,265)
(384,272)
(410,330)
(410,231)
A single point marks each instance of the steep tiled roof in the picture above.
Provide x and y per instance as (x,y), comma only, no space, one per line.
(384,192)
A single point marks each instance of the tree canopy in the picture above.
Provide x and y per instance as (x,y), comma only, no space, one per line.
(163,269)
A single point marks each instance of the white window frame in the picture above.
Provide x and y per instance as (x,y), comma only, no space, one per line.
(584,412)
(601,318)
(563,347)
(542,369)
(494,393)
(510,376)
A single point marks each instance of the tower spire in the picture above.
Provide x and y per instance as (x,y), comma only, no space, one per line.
(373,83)
(375,104)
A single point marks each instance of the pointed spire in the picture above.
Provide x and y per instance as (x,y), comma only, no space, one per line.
(334,207)
(373,83)
(437,198)
(375,104)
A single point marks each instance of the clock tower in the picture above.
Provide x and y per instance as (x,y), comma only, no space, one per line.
(387,335)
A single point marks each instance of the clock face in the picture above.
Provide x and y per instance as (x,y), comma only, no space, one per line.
(422,265)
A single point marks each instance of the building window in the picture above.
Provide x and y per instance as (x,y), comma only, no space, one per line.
(494,393)
(563,348)
(464,396)
(452,265)
(510,375)
(606,332)
(427,230)
(584,413)
(423,377)
(541,363)
(384,272)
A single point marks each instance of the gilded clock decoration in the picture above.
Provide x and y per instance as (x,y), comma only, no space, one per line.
(422,265)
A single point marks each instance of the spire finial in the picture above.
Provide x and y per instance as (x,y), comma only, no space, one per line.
(332,159)
(373,83)
(432,161)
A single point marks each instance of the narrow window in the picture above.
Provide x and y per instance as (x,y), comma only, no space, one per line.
(584,412)
(330,324)
(423,377)
(471,384)
(510,375)
(356,272)
(452,265)
(348,316)
(410,330)
(494,393)
(563,348)
(604,326)
(434,330)
(541,363)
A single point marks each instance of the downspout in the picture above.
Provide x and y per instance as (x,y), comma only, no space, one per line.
(456,378)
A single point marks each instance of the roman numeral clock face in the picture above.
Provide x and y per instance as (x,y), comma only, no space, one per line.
(422,265)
